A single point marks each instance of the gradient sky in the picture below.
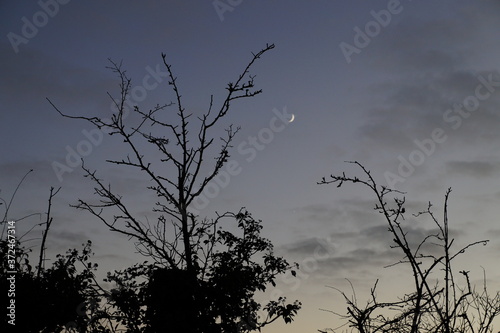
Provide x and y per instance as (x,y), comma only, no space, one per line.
(374,104)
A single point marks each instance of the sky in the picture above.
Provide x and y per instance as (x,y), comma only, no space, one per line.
(410,89)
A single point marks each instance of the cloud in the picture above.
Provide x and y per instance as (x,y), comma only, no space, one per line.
(62,81)
(475,169)
(15,170)
(68,236)
(411,110)
(351,263)
(310,246)
(58,240)
(111,257)
(428,65)
(366,244)
(434,43)
(323,213)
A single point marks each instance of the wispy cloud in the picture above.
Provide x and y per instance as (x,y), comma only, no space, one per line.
(475,169)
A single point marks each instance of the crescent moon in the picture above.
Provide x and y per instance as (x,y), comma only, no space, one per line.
(292,119)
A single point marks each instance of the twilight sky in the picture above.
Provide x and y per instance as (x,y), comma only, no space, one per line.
(409,88)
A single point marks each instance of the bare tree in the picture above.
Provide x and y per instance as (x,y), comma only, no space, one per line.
(182,244)
(439,304)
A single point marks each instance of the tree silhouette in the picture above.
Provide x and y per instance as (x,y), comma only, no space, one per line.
(438,303)
(202,278)
(46,299)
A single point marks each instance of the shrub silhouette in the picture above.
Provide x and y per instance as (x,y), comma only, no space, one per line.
(438,303)
(46,302)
